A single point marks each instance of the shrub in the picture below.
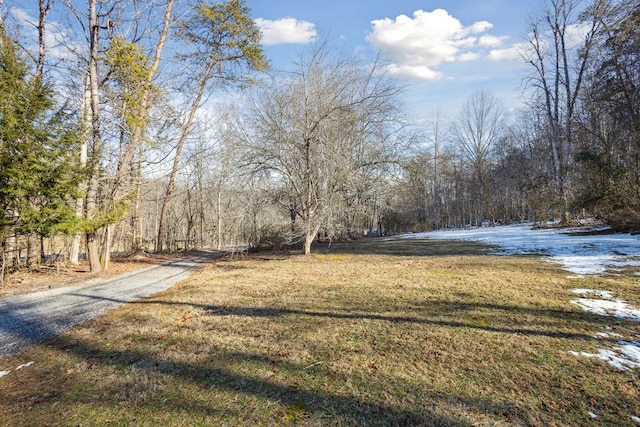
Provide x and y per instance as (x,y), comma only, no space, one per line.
(271,237)
(625,220)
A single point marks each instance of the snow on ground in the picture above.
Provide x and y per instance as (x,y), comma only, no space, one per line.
(608,335)
(605,304)
(596,292)
(579,254)
(624,356)
(8,371)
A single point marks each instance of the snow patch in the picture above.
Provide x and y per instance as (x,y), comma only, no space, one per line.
(624,357)
(580,254)
(607,305)
(607,335)
(597,292)
(24,365)
(616,308)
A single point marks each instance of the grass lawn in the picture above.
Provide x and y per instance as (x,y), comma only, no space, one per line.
(366,333)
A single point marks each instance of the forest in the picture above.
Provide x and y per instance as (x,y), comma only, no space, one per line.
(117,141)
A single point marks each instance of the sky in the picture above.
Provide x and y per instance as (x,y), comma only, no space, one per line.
(443,51)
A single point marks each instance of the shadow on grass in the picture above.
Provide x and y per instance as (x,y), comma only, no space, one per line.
(302,401)
(404,247)
(32,318)
(454,311)
(324,405)
(427,313)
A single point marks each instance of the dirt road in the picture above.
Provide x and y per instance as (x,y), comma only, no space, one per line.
(32,318)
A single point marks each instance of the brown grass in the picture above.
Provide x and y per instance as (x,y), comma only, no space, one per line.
(369,333)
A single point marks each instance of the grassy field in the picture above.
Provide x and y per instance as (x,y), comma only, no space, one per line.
(366,333)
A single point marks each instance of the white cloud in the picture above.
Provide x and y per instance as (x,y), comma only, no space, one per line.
(420,72)
(491,41)
(286,30)
(522,51)
(480,27)
(576,34)
(468,56)
(418,45)
(57,41)
(23,16)
(507,54)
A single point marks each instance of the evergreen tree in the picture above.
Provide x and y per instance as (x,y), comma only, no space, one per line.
(37,173)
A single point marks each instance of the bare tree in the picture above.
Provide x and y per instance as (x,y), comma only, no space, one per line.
(95,145)
(438,138)
(608,121)
(118,90)
(85,123)
(224,43)
(44,7)
(477,130)
(316,129)
(130,70)
(559,64)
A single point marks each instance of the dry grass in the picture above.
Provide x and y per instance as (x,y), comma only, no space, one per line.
(369,333)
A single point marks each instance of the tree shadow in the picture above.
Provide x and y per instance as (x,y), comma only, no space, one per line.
(18,332)
(429,312)
(321,404)
(395,246)
(29,319)
(309,399)
(432,318)
(328,405)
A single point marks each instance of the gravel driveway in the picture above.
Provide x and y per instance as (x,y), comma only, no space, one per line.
(32,318)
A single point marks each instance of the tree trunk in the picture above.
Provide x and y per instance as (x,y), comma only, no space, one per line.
(308,240)
(85,110)
(309,237)
(10,250)
(105,256)
(200,240)
(92,244)
(96,143)
(219,218)
(310,230)
(45,6)
(186,128)
(3,264)
(136,224)
(33,253)
(126,159)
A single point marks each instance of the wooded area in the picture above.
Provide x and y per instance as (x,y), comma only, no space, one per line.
(117,146)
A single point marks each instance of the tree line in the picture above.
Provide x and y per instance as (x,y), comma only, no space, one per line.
(111,142)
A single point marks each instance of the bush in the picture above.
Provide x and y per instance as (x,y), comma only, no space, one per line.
(271,237)
(625,220)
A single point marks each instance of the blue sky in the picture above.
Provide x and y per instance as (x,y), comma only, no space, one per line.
(443,50)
